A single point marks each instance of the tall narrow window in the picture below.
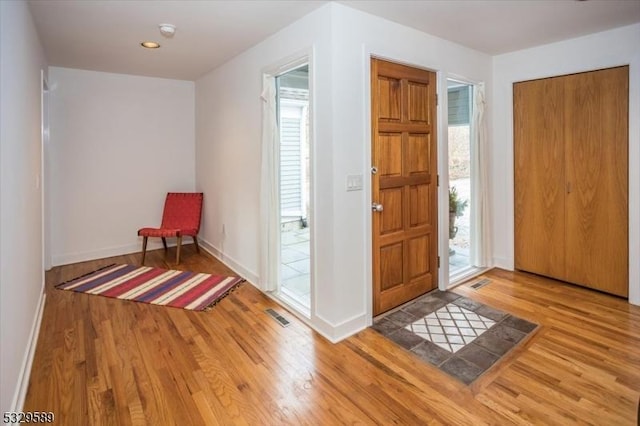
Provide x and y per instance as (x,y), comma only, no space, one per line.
(294,185)
(460,115)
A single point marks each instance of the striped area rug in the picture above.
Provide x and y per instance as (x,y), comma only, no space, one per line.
(179,289)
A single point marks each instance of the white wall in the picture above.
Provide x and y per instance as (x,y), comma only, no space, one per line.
(228,143)
(21,272)
(228,130)
(356,37)
(119,143)
(607,49)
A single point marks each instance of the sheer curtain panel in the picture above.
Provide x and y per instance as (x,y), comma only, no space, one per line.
(481,249)
(269,197)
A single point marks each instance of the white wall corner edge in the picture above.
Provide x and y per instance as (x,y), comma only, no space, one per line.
(504,263)
(243,272)
(338,332)
(25,369)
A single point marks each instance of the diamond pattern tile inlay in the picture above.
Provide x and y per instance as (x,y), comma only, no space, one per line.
(451,327)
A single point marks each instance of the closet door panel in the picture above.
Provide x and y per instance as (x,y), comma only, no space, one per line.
(596,134)
(539,177)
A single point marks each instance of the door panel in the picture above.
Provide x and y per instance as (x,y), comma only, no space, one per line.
(392,219)
(389,103)
(418,110)
(418,257)
(404,152)
(419,154)
(418,208)
(391,270)
(391,155)
(538,109)
(596,120)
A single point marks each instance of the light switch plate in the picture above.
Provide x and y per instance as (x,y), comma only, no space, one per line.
(354,182)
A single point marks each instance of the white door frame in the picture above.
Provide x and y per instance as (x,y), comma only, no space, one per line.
(43,178)
(276,70)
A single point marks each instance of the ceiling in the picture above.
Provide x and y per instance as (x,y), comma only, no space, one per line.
(500,26)
(104,35)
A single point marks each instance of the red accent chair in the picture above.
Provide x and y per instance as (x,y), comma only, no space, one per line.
(181,216)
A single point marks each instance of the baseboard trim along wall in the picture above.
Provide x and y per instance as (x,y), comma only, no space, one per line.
(337,332)
(245,273)
(66,259)
(332,332)
(25,371)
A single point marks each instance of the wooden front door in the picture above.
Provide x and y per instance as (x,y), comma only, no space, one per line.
(404,183)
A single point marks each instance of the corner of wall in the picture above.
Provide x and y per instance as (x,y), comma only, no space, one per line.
(232,263)
(338,332)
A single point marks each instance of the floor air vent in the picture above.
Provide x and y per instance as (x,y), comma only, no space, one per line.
(480,283)
(276,316)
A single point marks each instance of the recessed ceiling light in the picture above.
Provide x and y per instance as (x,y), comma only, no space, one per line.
(150,44)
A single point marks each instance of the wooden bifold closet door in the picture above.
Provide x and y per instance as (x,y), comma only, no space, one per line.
(571,178)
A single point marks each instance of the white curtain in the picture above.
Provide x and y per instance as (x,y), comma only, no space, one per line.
(269,197)
(480,226)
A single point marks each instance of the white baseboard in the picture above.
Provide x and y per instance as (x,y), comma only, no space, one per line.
(245,273)
(332,332)
(337,332)
(25,369)
(68,258)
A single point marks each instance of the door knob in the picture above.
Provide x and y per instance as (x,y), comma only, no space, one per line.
(376,207)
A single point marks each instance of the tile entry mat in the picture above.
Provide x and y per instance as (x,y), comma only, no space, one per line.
(460,336)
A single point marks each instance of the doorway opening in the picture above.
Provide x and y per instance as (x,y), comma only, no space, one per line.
(461,197)
(294,186)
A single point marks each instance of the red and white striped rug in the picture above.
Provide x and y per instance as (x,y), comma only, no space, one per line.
(180,289)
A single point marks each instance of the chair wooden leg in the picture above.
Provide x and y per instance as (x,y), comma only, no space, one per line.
(195,241)
(144,249)
(178,250)
(164,243)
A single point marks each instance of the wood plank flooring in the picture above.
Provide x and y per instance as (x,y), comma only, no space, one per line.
(102,361)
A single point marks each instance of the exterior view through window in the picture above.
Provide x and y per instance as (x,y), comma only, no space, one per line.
(293,121)
(460,197)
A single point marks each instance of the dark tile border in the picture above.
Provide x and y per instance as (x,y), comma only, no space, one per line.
(473,359)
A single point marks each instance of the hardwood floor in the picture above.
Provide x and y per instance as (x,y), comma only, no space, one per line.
(106,361)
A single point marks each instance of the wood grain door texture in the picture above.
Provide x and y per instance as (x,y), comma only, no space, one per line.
(405,243)
(539,158)
(571,178)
